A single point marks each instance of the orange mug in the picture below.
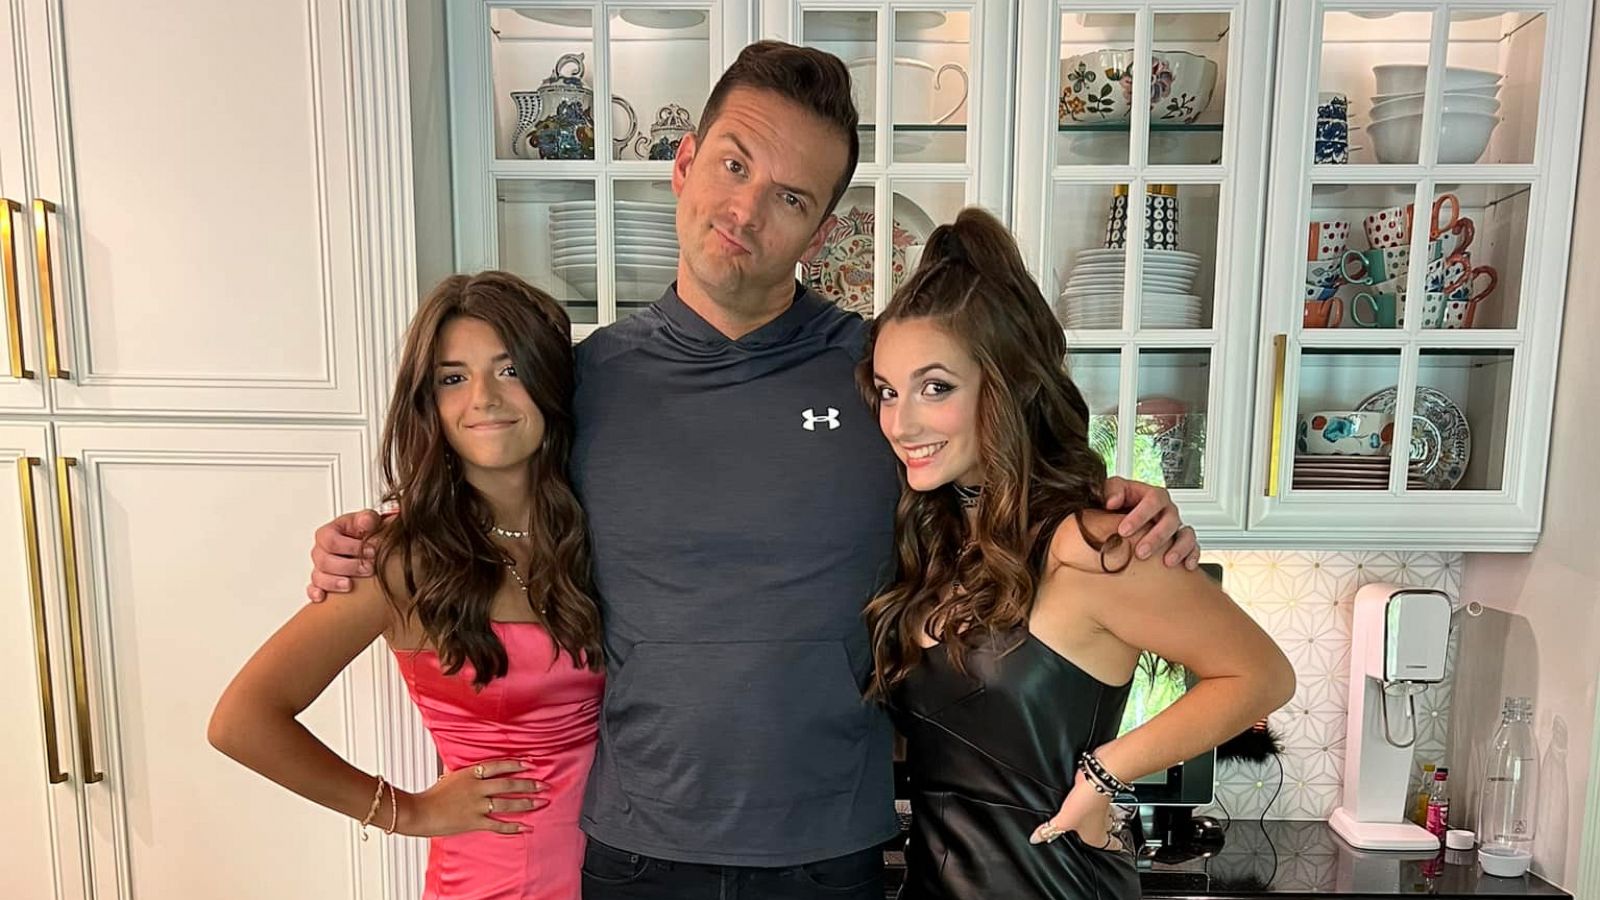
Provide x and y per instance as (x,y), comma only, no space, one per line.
(1323,313)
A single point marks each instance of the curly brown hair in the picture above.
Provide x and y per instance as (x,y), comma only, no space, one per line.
(1033,446)
(438,539)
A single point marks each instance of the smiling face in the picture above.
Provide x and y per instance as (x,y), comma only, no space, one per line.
(751,197)
(928,386)
(488,418)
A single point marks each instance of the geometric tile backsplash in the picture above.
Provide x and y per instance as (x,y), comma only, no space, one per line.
(1304,600)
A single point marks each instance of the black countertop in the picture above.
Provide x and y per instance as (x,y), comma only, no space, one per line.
(1306,859)
(1285,860)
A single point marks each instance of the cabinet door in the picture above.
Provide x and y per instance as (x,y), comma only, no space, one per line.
(191,550)
(1138,204)
(203,243)
(21,387)
(41,840)
(1420,219)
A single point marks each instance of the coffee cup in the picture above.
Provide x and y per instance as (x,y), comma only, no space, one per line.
(1324,272)
(1323,314)
(1380,310)
(1373,266)
(1327,238)
(1391,227)
(1457,237)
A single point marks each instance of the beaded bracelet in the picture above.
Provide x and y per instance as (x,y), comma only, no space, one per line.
(1100,777)
(377,798)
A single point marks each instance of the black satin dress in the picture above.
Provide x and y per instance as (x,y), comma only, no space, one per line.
(990,756)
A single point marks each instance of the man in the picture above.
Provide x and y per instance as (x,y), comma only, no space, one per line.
(741,507)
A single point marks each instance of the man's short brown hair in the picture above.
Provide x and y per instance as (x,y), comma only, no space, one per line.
(815,80)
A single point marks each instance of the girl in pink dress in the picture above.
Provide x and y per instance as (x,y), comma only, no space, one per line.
(485,600)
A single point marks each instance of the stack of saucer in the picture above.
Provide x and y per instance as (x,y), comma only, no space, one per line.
(646,239)
(1093,295)
(1319,472)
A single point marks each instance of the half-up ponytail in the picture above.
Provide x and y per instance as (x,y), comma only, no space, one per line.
(1033,444)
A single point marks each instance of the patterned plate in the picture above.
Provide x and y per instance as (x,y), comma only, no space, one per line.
(1441,440)
(842,267)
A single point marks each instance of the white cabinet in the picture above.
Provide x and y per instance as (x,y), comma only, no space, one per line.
(165,555)
(1166,217)
(1470,117)
(209,218)
(195,168)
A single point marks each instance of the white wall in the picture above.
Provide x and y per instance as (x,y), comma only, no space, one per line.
(1542,635)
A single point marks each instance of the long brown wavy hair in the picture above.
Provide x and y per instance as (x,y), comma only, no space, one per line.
(439,535)
(1033,445)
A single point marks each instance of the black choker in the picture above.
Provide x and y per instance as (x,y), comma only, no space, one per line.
(967,495)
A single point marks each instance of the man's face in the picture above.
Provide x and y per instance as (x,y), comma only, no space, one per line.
(751,195)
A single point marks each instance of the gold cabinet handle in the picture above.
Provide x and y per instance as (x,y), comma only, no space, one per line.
(41,639)
(8,258)
(80,672)
(1280,356)
(42,209)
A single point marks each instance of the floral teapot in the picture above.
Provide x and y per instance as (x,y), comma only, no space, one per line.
(556,120)
(672,123)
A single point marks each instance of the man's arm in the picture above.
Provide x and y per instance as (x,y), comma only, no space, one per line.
(339,553)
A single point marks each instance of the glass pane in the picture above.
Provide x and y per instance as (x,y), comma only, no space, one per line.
(1088,254)
(1358,240)
(1476,256)
(1460,419)
(1179,267)
(1341,441)
(1093,108)
(1368,57)
(1188,76)
(932,58)
(646,236)
(543,89)
(651,113)
(853,37)
(843,268)
(1098,373)
(1490,111)
(547,235)
(1169,435)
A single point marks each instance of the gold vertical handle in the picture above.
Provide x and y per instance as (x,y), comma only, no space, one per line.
(80,672)
(42,209)
(1280,359)
(8,258)
(41,639)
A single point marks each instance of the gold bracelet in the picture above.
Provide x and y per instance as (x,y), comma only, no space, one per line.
(377,798)
(394,812)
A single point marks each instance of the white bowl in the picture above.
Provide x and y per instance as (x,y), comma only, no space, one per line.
(1502,861)
(1453,103)
(1462,137)
(1488,90)
(1405,78)
(1194,78)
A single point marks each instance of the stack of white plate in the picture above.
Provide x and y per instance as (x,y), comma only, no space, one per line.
(1317,472)
(646,237)
(1093,295)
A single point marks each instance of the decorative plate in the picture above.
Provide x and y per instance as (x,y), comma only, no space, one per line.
(1441,440)
(841,270)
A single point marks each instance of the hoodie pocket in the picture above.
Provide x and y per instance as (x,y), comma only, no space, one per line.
(752,724)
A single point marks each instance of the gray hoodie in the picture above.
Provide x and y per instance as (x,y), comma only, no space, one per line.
(741,505)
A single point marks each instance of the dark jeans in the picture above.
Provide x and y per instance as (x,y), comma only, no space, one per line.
(613,874)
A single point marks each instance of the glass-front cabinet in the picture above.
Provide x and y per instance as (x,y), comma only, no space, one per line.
(930,84)
(553,183)
(1141,168)
(1221,199)
(1415,268)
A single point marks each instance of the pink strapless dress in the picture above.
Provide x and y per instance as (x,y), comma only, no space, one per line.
(545,711)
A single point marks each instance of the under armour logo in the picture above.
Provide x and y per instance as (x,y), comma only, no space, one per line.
(832,418)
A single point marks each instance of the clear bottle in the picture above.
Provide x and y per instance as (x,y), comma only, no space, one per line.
(1439,804)
(1511,782)
(1418,812)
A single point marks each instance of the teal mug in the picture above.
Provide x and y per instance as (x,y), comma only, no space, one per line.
(1381,310)
(1374,266)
